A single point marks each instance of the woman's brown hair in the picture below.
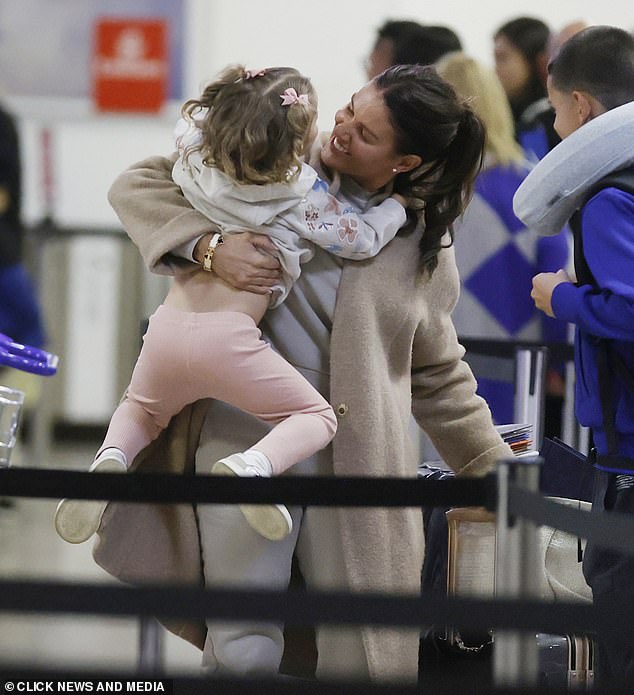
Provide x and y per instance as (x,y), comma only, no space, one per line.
(431,121)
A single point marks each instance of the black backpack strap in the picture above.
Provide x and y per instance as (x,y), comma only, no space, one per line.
(624,181)
(606,394)
(608,362)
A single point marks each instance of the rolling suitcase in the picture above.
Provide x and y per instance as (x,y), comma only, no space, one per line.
(460,560)
(564,660)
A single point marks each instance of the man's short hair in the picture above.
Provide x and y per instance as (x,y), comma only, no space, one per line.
(599,61)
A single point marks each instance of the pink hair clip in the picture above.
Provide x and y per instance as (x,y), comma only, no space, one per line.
(291,97)
(250,74)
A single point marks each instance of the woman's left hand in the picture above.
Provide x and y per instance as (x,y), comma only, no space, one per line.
(247,262)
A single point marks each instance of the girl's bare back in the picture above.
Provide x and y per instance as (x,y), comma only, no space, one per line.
(200,292)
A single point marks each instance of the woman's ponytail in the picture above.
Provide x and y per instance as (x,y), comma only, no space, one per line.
(460,163)
(434,123)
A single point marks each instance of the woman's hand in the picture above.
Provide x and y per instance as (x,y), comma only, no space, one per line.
(246,261)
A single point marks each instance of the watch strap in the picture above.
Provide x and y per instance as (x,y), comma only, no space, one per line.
(208,258)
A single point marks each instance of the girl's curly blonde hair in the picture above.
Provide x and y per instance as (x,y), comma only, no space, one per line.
(246,132)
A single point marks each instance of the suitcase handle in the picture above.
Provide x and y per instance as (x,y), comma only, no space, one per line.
(26,358)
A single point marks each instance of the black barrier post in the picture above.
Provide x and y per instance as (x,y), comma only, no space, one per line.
(515,653)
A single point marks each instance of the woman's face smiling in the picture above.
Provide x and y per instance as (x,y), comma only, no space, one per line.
(362,143)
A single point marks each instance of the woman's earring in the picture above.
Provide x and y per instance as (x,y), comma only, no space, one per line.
(394,170)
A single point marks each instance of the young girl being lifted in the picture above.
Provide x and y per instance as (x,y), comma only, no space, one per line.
(241,162)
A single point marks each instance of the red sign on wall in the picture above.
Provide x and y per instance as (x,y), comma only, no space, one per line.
(130,64)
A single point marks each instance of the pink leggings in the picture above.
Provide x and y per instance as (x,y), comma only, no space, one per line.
(188,356)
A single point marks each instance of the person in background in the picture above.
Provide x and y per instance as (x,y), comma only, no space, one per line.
(376,339)
(559,38)
(496,255)
(520,50)
(591,87)
(403,42)
(20,313)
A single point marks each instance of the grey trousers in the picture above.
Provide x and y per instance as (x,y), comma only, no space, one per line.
(235,556)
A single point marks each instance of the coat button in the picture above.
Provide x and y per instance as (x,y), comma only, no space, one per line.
(342,409)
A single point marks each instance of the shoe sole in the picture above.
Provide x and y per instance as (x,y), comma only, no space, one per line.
(77,520)
(272,521)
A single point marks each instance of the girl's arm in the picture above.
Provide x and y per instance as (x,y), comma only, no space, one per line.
(158,219)
(339,229)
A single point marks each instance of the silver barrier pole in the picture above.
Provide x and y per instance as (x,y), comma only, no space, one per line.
(530,381)
(150,646)
(515,660)
(569,425)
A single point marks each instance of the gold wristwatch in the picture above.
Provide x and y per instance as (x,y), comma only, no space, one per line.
(208,258)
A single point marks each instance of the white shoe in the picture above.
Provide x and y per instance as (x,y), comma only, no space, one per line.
(77,520)
(273,521)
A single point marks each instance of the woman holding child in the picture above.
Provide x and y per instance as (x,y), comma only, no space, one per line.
(375,337)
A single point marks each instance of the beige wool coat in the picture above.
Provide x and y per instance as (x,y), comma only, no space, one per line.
(394,352)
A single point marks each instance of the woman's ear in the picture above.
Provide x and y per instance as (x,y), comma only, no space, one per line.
(408,162)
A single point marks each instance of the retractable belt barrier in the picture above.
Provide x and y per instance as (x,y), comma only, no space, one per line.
(558,352)
(613,531)
(296,607)
(298,490)
(299,607)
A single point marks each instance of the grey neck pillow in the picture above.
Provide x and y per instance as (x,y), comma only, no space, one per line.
(556,188)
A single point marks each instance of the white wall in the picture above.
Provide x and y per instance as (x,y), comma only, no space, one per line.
(327,40)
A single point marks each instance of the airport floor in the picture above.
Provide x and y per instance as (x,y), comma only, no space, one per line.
(31,550)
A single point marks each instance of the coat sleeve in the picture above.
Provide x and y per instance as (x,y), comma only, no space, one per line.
(444,400)
(156,215)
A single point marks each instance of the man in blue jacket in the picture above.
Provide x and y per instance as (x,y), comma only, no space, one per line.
(593,75)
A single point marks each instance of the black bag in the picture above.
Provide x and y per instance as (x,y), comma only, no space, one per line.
(445,652)
(440,648)
(565,472)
